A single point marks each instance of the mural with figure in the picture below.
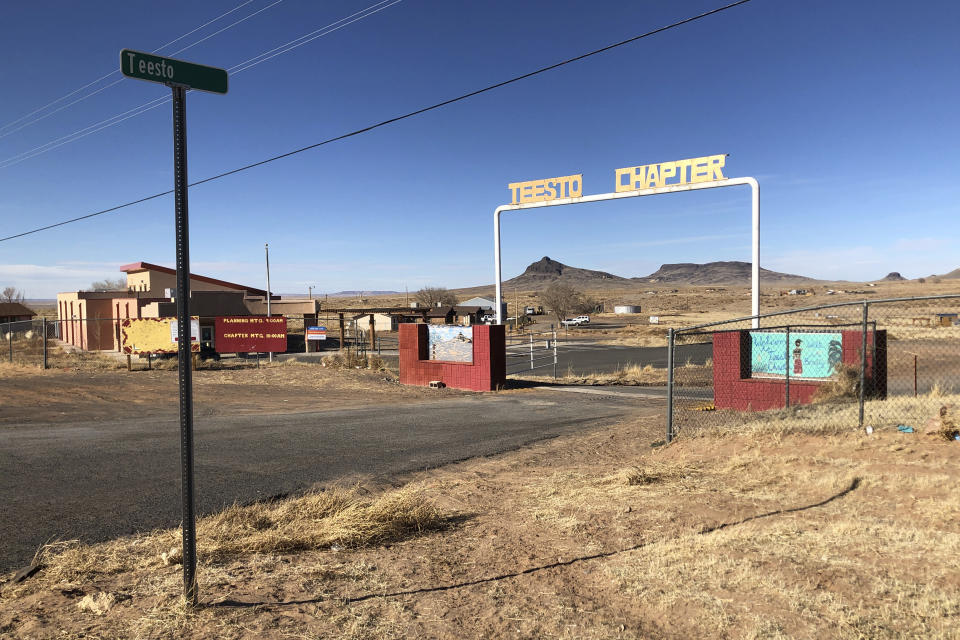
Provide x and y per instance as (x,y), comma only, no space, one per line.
(812,355)
(451,344)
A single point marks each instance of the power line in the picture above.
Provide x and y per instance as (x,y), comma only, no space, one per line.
(313,35)
(384,123)
(205,24)
(229,26)
(151,104)
(115,82)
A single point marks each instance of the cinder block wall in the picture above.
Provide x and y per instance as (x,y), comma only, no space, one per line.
(733,388)
(487,372)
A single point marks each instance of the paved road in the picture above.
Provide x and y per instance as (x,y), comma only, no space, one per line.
(99,480)
(588,357)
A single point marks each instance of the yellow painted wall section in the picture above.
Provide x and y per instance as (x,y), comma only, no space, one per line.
(149,335)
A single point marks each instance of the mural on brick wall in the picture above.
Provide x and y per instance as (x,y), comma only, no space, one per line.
(451,344)
(812,355)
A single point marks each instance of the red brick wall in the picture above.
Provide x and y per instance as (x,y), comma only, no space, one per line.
(733,388)
(487,372)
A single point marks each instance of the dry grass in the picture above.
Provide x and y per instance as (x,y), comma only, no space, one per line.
(844,385)
(825,419)
(314,521)
(353,360)
(631,375)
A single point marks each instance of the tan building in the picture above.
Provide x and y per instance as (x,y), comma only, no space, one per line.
(91,319)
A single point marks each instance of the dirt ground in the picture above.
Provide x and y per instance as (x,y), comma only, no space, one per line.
(82,395)
(765,533)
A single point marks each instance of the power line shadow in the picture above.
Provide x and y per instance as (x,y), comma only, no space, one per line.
(854,484)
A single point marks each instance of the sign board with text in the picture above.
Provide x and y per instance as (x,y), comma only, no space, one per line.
(194,331)
(249,334)
(146,66)
(154,335)
(316,333)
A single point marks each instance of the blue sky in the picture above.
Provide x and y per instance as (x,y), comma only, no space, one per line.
(846,112)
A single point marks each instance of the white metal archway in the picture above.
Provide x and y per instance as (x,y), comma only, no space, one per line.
(729,182)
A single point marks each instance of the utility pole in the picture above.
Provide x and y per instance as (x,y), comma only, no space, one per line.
(310,291)
(266,249)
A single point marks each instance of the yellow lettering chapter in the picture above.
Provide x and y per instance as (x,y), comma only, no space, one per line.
(650,176)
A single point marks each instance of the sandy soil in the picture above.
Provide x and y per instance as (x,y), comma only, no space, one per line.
(594,536)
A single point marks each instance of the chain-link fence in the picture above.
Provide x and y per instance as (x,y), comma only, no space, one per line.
(889,363)
(27,342)
(97,342)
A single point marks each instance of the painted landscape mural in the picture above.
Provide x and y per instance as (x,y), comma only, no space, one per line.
(451,344)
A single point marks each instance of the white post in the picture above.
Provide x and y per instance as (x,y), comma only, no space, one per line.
(496,261)
(266,249)
(755,271)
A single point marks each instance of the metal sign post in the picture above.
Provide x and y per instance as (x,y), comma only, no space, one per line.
(183,343)
(181,76)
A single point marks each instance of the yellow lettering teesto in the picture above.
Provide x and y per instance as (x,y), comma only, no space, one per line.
(544,190)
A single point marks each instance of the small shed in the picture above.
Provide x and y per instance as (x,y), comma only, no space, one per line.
(381,321)
(440,315)
(468,315)
(624,309)
(15,312)
(947,319)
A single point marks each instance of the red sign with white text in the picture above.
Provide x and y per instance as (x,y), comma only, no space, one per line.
(247,334)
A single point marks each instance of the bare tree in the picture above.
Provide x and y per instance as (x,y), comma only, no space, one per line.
(562,299)
(11,294)
(432,296)
(119,284)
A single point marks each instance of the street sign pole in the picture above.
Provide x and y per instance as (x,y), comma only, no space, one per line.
(180,76)
(184,342)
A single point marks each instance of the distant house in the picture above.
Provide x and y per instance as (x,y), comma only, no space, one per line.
(14,312)
(947,319)
(381,321)
(468,315)
(440,315)
(485,303)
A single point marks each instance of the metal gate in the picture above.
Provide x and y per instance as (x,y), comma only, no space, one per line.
(532,351)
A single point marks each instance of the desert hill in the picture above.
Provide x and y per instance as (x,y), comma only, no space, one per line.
(542,273)
(893,276)
(953,275)
(546,271)
(730,272)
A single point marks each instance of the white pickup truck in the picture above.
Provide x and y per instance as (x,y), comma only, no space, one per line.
(576,322)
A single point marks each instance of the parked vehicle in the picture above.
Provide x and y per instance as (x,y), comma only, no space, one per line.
(583,319)
(488,318)
(571,322)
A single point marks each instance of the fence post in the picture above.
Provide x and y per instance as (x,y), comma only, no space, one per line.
(786,369)
(43,330)
(554,354)
(914,375)
(670,339)
(863,358)
(10,340)
(531,351)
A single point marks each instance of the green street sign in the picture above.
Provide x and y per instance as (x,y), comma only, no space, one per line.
(146,66)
